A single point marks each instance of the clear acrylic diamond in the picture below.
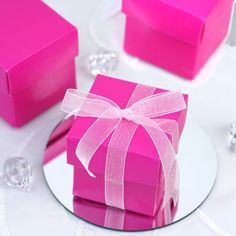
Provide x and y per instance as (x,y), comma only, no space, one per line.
(103,62)
(233,136)
(17,173)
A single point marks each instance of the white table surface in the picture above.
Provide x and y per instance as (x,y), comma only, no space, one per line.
(212,105)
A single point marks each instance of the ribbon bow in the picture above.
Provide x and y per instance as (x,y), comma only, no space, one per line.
(144,109)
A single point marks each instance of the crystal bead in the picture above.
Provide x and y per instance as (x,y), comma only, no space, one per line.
(103,62)
(17,173)
(233,137)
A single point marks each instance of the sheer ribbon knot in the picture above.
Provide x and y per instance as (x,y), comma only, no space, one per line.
(127,114)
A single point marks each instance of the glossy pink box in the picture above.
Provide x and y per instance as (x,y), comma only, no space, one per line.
(177,35)
(143,189)
(37,51)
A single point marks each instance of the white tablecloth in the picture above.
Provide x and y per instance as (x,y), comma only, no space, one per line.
(212,104)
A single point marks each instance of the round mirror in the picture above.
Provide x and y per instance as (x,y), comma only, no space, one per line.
(198,168)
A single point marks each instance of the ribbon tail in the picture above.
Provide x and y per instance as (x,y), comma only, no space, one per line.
(174,194)
(165,151)
(174,183)
(170,127)
(95,136)
(168,214)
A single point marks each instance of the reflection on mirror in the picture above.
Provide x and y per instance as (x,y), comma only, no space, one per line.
(118,219)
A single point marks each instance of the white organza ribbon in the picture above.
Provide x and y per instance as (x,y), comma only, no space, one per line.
(145,109)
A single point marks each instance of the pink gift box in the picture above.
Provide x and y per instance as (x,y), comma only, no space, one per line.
(143,190)
(37,48)
(177,35)
(115,218)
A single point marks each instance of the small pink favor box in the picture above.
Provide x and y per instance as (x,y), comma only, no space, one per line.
(37,51)
(176,35)
(143,188)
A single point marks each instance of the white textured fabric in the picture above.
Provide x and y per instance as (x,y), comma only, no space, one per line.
(4,231)
(213,226)
(212,104)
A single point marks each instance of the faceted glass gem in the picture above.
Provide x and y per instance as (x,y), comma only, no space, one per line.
(104,62)
(17,173)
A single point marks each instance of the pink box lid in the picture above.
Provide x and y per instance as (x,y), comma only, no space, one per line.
(34,40)
(184,20)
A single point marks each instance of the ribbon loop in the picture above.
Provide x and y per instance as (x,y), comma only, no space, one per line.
(159,104)
(80,103)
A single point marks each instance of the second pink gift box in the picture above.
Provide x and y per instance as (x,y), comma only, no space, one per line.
(37,51)
(177,35)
